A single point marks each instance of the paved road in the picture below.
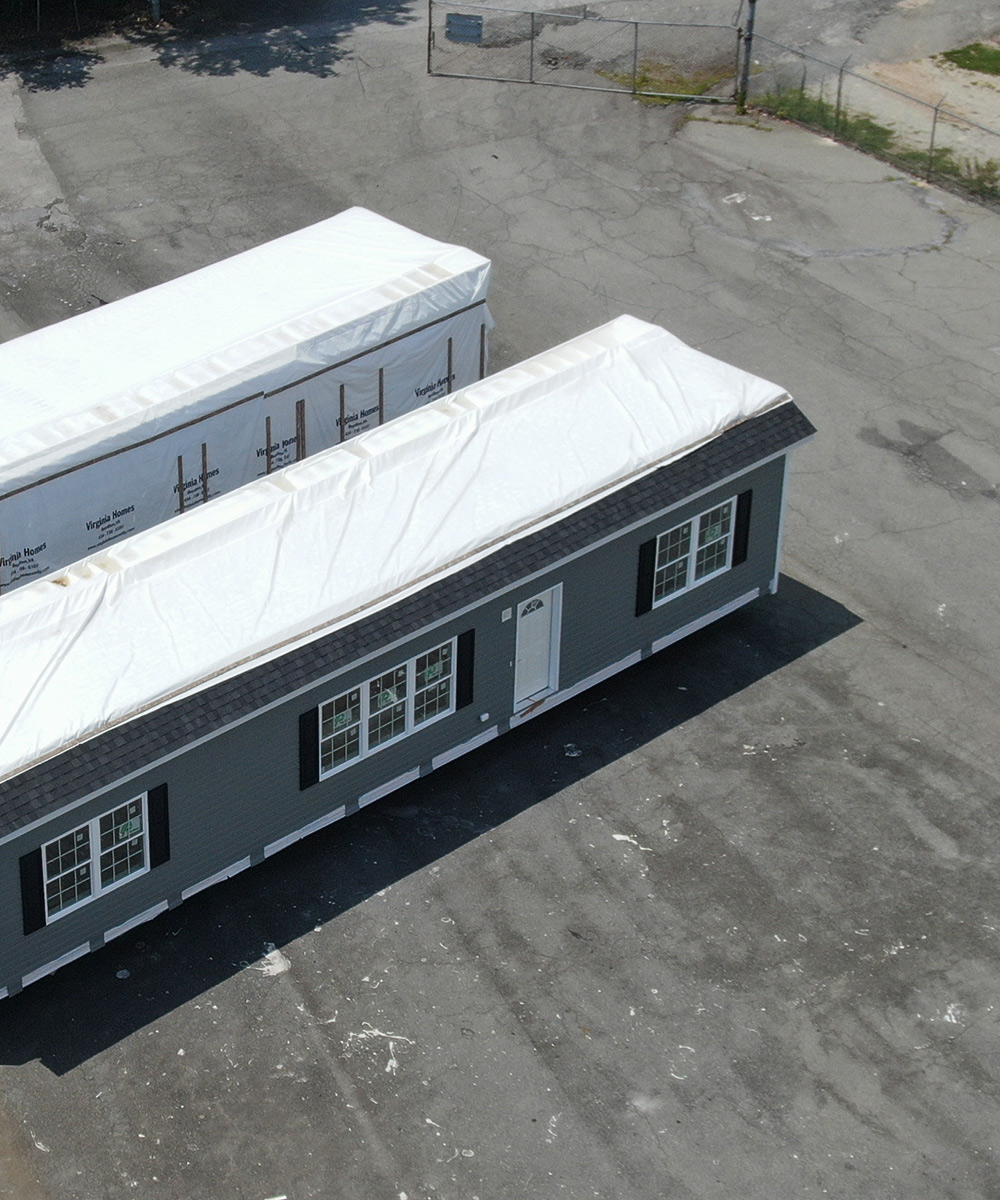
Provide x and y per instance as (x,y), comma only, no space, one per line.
(745,944)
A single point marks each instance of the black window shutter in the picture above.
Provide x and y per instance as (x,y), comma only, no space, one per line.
(308,749)
(464,667)
(644,587)
(159,826)
(741,528)
(32,894)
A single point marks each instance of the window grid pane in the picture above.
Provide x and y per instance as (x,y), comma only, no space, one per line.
(381,709)
(125,859)
(340,730)
(121,825)
(122,843)
(387,690)
(673,545)
(714,524)
(67,870)
(433,684)
(672,578)
(117,838)
(431,701)
(386,724)
(67,889)
(713,540)
(433,666)
(68,852)
(675,568)
(710,559)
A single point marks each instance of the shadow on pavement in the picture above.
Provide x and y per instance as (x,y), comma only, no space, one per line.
(218,39)
(88,1006)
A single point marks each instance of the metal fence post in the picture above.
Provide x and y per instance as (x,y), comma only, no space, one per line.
(741,95)
(531,60)
(635,58)
(930,151)
(430,34)
(840,93)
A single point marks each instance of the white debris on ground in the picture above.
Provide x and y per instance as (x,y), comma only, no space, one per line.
(626,837)
(273,961)
(369,1035)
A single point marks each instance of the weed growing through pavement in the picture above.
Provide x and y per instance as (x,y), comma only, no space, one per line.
(662,83)
(980,179)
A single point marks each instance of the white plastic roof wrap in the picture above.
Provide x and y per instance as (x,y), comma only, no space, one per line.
(118,418)
(287,558)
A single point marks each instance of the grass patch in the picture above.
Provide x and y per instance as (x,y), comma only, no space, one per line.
(661,83)
(978,179)
(977,57)
(857,129)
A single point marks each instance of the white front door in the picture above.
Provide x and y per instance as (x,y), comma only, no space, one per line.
(536,667)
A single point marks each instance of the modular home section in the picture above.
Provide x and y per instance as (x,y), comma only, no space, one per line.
(119,418)
(433,665)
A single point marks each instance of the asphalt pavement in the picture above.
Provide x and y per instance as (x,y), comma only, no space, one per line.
(727,925)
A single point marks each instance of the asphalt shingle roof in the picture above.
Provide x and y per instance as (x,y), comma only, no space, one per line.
(47,786)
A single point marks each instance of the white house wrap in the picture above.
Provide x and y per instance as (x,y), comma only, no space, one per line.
(116,419)
(288,557)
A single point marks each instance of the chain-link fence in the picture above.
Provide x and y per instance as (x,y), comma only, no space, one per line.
(928,139)
(577,47)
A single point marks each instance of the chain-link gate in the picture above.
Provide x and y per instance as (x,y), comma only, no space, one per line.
(576,47)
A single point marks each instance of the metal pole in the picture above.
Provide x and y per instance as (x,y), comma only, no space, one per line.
(930,152)
(635,59)
(741,97)
(531,61)
(840,92)
(430,33)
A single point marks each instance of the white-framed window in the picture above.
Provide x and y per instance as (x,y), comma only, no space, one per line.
(95,858)
(694,551)
(387,707)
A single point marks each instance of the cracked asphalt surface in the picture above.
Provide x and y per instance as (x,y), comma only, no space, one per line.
(728,925)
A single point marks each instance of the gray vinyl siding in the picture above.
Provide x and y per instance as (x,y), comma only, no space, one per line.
(237,792)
